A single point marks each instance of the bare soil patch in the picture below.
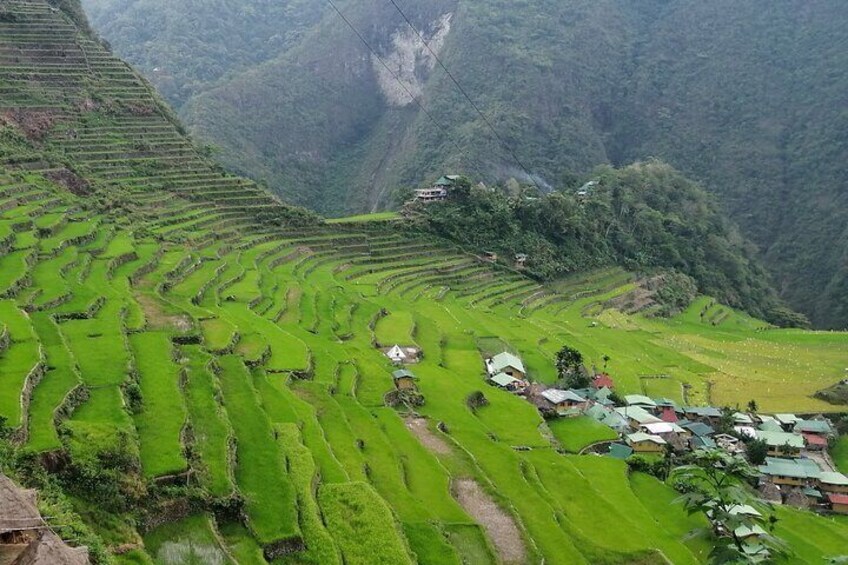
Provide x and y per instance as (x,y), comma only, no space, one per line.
(69,180)
(499,525)
(34,124)
(431,441)
(157,317)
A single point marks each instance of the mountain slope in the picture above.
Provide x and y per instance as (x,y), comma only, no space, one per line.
(192,371)
(746,99)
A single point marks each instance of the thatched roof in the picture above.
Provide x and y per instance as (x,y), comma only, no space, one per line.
(49,549)
(18,508)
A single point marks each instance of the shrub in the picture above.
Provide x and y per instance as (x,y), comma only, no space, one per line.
(476,400)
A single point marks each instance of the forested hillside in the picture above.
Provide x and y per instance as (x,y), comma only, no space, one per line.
(193,371)
(747,98)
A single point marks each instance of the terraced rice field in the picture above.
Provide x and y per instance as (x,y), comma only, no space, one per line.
(235,348)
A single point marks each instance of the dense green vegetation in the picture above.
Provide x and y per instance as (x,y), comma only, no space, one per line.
(645,216)
(190,371)
(745,99)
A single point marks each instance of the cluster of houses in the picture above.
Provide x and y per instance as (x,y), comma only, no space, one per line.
(797,470)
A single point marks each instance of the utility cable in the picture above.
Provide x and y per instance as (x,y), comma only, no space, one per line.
(397,78)
(467,97)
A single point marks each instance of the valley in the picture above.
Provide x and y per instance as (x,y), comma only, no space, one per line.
(193,371)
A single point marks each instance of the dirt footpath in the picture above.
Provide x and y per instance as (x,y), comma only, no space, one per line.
(499,525)
(431,441)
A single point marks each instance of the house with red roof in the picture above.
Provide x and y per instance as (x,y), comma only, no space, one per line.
(838,503)
(815,442)
(602,380)
(668,414)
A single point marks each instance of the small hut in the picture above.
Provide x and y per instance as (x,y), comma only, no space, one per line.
(404,380)
(397,354)
(25,539)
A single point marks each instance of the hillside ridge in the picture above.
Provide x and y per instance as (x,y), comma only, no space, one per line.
(744,99)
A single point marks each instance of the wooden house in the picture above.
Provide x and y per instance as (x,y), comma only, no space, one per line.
(833,482)
(404,380)
(565,402)
(838,503)
(641,442)
(506,363)
(791,472)
(782,444)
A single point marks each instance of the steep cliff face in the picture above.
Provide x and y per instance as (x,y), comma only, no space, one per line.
(748,99)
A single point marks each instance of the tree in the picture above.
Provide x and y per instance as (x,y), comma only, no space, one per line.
(568,360)
(727,420)
(476,400)
(606,359)
(752,406)
(787,450)
(569,364)
(715,483)
(757,451)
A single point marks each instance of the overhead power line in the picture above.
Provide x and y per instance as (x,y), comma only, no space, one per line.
(465,94)
(397,78)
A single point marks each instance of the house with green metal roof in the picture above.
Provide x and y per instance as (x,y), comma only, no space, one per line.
(404,380)
(831,481)
(641,442)
(506,363)
(786,420)
(636,415)
(782,443)
(639,400)
(820,427)
(791,472)
(506,381)
(770,426)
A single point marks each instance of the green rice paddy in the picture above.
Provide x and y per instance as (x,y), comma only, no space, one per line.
(235,351)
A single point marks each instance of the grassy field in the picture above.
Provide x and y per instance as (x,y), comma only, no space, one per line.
(187,321)
(377,217)
(574,434)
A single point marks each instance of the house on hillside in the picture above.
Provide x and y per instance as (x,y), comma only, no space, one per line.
(508,382)
(833,482)
(641,442)
(814,442)
(565,402)
(608,417)
(664,429)
(603,380)
(782,444)
(790,472)
(506,363)
(640,401)
(668,414)
(708,414)
(637,416)
(25,539)
(520,261)
(838,503)
(821,428)
(786,421)
(403,355)
(404,380)
(438,192)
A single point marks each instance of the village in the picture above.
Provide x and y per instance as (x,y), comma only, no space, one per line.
(793,463)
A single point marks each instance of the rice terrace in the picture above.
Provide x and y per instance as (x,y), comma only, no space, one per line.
(193,372)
